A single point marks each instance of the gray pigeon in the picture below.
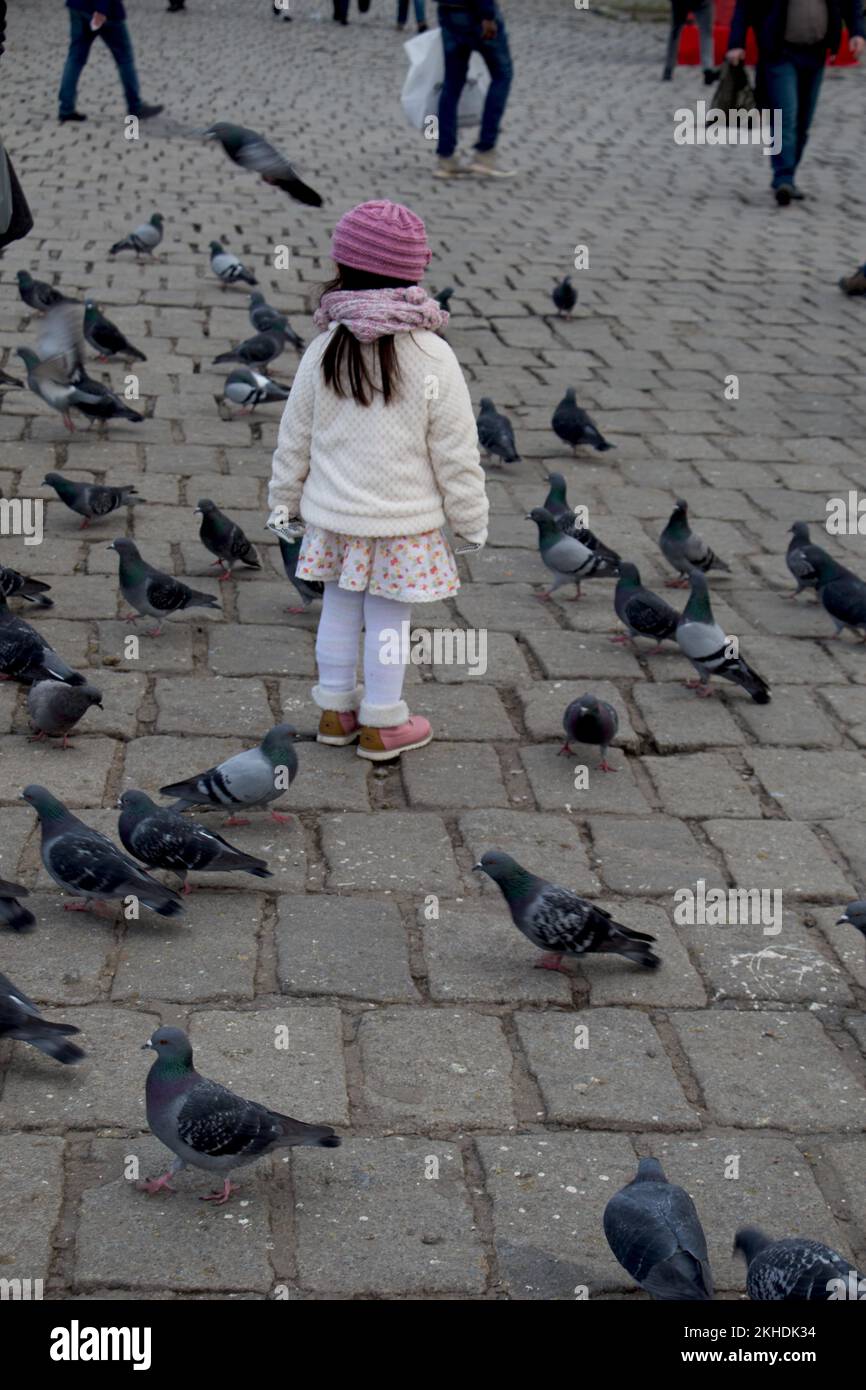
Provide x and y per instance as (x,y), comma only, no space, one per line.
(801,568)
(264,316)
(556,502)
(495,435)
(855,915)
(258,351)
(25,655)
(592,721)
(842,593)
(642,613)
(307,589)
(558,921)
(567,558)
(162,839)
(248,780)
(106,337)
(227,268)
(150,591)
(55,708)
(443,298)
(11,381)
(20,1019)
(708,649)
(88,865)
(573,425)
(90,499)
(37,294)
(56,374)
(253,152)
(685,549)
(653,1229)
(16,585)
(144,240)
(206,1125)
(11,912)
(794,1270)
(564,297)
(247,388)
(224,539)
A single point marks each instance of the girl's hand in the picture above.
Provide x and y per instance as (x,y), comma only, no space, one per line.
(856,45)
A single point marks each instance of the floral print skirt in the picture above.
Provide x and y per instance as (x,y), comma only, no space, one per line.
(414,569)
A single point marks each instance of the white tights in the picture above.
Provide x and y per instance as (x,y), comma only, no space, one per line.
(344,613)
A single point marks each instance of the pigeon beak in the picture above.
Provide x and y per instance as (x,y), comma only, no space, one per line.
(477,867)
(527,517)
(843,919)
(147,1045)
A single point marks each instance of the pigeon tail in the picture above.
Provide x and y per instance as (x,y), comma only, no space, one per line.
(51,1039)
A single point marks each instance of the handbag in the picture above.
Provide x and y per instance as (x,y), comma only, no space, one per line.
(420,94)
(15,217)
(734,92)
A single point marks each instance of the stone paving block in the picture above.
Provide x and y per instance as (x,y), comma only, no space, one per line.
(507,608)
(475,954)
(336,946)
(548,845)
(552,776)
(614,980)
(650,856)
(703,784)
(446,776)
(65,958)
(752,1069)
(849,838)
(753,962)
(545,705)
(465,712)
(678,721)
(371,1222)
(435,1067)
(32,1186)
(171,652)
(261,650)
(329,779)
(847,1161)
(388,852)
(208,954)
(561,657)
(779,854)
(78,775)
(848,703)
(794,719)
(19,825)
(811,785)
(588,1084)
(234,707)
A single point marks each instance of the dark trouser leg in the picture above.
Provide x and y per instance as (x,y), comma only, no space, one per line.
(810,74)
(81,37)
(497,56)
(703,14)
(780,86)
(116,37)
(458,50)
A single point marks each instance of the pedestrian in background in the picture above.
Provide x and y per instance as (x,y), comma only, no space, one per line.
(703,14)
(106,19)
(420,14)
(472,26)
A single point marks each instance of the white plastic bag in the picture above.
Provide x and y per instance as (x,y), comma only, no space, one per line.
(420,95)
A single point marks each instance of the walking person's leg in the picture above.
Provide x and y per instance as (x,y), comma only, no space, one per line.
(421,15)
(81,38)
(497,56)
(117,39)
(703,13)
(337,694)
(457,41)
(673,47)
(402,13)
(387,727)
(341,11)
(779,83)
(810,75)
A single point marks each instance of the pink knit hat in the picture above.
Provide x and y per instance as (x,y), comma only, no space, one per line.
(384,238)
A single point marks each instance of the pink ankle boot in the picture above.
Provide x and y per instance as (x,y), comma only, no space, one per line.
(388,730)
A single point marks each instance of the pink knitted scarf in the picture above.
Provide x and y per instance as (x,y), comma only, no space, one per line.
(370,314)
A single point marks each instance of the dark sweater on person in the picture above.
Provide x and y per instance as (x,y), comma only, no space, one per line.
(769,20)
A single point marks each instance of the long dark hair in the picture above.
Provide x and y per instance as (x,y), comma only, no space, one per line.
(345,365)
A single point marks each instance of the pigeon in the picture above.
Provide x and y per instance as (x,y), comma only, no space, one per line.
(558,921)
(564,296)
(88,865)
(641,612)
(90,499)
(842,592)
(495,435)
(708,649)
(224,539)
(793,1270)
(307,589)
(206,1125)
(855,915)
(55,708)
(592,721)
(250,779)
(567,558)
(106,337)
(150,591)
(162,839)
(685,549)
(247,388)
(227,268)
(25,655)
(797,563)
(251,151)
(443,298)
(144,240)
(653,1229)
(11,381)
(263,316)
(56,372)
(258,351)
(556,502)
(16,585)
(573,425)
(11,912)
(37,294)
(20,1019)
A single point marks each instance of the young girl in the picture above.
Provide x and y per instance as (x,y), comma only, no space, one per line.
(377,448)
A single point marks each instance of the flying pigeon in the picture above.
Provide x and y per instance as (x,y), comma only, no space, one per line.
(653,1229)
(11,381)
(247,388)
(11,912)
(25,655)
(144,240)
(558,921)
(88,865)
(855,915)
(258,351)
(206,1125)
(55,708)
(251,151)
(56,372)
(641,612)
(567,558)
(307,589)
(20,1019)
(793,1270)
(495,435)
(564,296)
(106,337)
(224,539)
(443,298)
(248,780)
(842,592)
(37,294)
(708,649)
(556,502)
(264,316)
(150,591)
(227,268)
(162,839)
(90,499)
(573,425)
(685,549)
(15,585)
(592,721)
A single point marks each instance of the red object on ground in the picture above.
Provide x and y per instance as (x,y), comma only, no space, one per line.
(689,53)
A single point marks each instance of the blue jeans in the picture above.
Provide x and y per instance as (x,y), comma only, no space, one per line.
(116,35)
(403,11)
(461,37)
(791,86)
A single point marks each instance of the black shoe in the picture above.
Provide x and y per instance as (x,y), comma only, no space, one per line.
(667,75)
(784,194)
(73,116)
(144,113)
(711,75)
(797,195)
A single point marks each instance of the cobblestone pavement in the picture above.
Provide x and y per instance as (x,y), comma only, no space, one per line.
(431,1043)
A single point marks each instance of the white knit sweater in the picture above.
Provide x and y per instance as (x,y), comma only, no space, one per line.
(383,470)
